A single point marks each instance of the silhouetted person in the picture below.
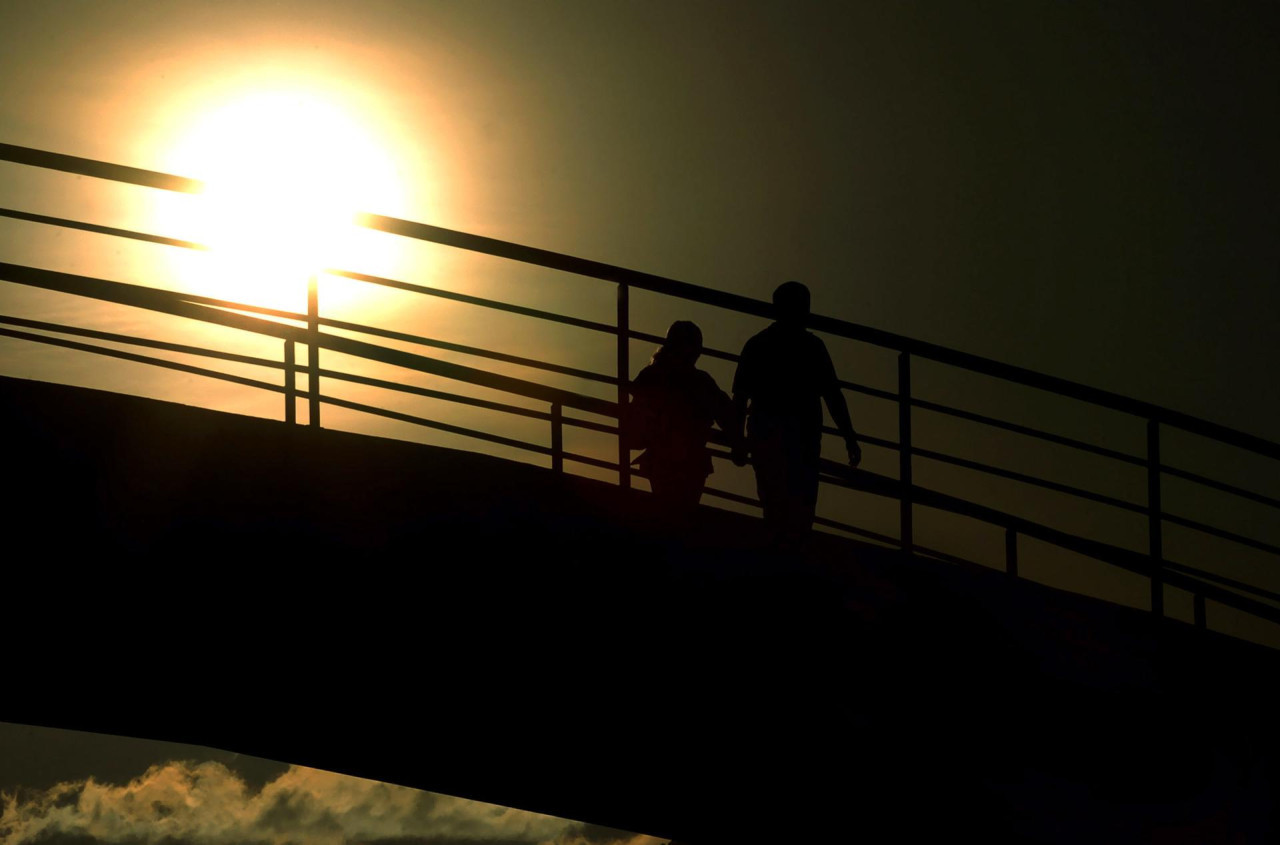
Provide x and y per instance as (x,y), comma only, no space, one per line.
(671,414)
(784,374)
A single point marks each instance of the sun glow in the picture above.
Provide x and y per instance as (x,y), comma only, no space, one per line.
(285,174)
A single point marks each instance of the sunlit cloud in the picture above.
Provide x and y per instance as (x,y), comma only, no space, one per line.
(208,804)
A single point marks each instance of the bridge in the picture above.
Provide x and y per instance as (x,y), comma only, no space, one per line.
(512,630)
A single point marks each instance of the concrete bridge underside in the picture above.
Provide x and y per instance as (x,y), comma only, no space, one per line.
(474,626)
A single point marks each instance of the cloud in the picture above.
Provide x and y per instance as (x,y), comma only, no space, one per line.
(208,804)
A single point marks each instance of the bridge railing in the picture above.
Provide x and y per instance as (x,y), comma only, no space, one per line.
(294,329)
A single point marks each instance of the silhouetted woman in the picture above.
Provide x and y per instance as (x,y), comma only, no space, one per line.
(674,406)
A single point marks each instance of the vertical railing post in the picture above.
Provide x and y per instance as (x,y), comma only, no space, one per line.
(1011,552)
(557,437)
(624,379)
(290,383)
(904,446)
(313,351)
(1154,521)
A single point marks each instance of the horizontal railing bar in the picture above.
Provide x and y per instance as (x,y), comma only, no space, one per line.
(1030,479)
(861,532)
(141,359)
(1123,558)
(564,263)
(234,306)
(589,425)
(1221,595)
(945,557)
(595,462)
(1221,533)
(435,394)
(1029,431)
(475,300)
(820,520)
(67,223)
(887,395)
(1219,485)
(683,290)
(833,473)
(99,169)
(423,421)
(727,496)
(468,350)
(864,438)
(1223,580)
(141,341)
(164,301)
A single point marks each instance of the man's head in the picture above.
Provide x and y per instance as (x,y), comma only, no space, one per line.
(791,304)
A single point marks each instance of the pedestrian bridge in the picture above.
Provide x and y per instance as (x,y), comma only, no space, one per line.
(523,633)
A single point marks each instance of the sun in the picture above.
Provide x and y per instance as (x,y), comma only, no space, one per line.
(286,171)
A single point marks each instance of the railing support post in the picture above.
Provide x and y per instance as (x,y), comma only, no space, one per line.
(313,352)
(624,380)
(557,437)
(1154,518)
(1011,552)
(290,383)
(904,447)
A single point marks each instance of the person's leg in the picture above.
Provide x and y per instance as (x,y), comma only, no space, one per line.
(677,493)
(803,454)
(769,462)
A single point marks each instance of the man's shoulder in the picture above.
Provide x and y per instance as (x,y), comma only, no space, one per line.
(815,343)
(774,336)
(752,348)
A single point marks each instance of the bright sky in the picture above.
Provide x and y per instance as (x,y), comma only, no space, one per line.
(1087,192)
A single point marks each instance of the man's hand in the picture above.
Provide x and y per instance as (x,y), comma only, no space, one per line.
(855,452)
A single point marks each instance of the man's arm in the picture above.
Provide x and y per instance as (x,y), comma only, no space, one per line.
(741,392)
(834,397)
(737,436)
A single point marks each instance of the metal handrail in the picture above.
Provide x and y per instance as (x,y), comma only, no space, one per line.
(683,290)
(211,310)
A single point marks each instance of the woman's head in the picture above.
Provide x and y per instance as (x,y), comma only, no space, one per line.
(683,343)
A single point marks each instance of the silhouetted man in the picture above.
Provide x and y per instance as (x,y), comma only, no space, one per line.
(784,374)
